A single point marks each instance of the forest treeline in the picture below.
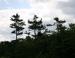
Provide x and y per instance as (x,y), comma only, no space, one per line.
(43,43)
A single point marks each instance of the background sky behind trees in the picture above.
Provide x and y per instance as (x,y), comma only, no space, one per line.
(46,9)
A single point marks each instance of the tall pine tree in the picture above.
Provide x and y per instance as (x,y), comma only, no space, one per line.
(17,25)
(60,27)
(36,25)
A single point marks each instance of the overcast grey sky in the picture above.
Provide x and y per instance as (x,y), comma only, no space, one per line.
(46,9)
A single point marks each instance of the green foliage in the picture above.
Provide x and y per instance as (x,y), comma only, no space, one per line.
(17,25)
(60,27)
(36,25)
(59,44)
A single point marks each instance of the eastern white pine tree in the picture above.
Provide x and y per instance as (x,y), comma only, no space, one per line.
(36,25)
(17,25)
(60,26)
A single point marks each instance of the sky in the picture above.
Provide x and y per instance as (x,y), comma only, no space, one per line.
(46,9)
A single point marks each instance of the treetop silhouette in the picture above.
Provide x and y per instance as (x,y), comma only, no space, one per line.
(36,25)
(17,25)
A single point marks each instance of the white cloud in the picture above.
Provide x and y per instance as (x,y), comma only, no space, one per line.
(47,9)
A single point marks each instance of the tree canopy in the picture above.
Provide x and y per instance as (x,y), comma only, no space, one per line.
(59,44)
(17,25)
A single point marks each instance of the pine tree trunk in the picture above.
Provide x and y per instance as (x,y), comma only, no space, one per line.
(16,34)
(35,33)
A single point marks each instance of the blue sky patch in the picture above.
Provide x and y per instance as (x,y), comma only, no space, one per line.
(7,4)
